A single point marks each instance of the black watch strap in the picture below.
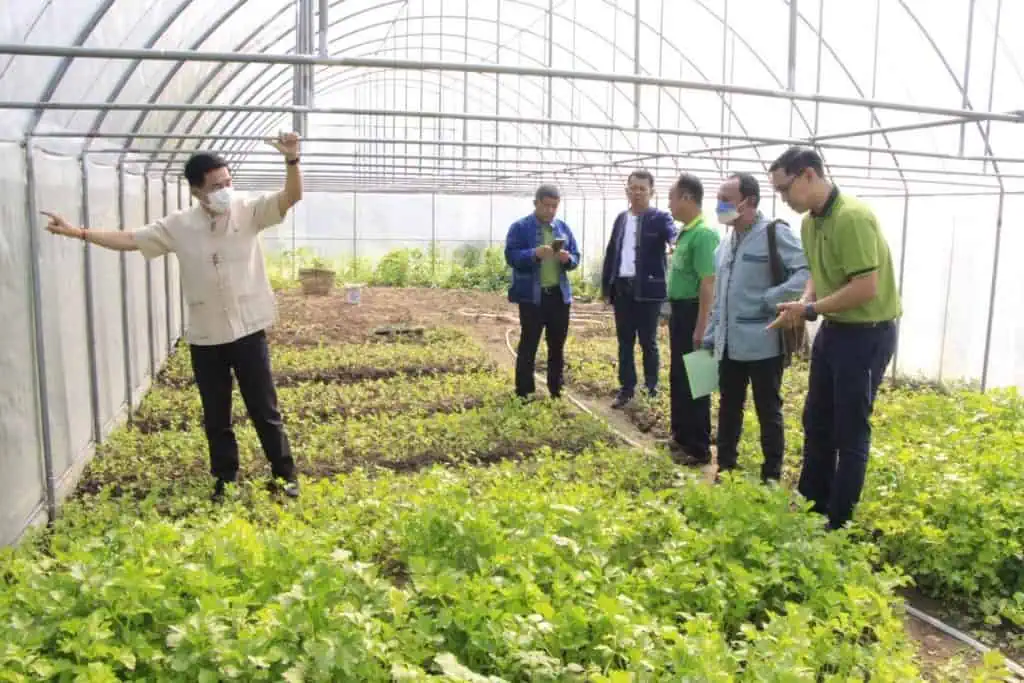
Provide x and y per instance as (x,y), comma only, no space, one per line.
(293,162)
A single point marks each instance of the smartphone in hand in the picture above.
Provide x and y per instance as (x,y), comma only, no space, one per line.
(557,245)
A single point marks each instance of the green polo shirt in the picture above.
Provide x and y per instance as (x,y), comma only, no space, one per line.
(693,259)
(549,268)
(843,242)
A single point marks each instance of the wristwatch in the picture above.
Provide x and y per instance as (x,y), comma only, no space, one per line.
(292,162)
(809,312)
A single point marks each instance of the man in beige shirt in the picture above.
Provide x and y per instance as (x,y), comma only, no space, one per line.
(230,302)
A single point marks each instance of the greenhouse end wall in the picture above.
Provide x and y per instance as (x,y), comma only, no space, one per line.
(106,321)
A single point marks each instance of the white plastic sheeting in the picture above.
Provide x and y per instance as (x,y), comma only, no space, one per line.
(22,485)
(85,380)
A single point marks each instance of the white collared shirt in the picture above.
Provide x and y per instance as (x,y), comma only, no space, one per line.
(627,258)
(223,276)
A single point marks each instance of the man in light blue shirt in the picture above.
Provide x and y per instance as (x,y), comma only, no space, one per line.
(745,303)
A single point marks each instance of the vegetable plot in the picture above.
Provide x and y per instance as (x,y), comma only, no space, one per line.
(565,558)
(943,494)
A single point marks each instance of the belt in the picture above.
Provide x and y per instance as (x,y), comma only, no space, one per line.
(857,325)
(551,290)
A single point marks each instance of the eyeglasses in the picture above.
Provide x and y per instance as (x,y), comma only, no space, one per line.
(784,189)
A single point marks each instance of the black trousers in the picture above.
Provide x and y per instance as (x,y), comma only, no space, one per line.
(690,417)
(551,318)
(249,358)
(635,319)
(765,377)
(848,363)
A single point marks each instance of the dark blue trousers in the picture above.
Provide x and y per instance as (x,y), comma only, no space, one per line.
(848,363)
(635,320)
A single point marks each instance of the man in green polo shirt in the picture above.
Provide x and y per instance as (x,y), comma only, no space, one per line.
(853,288)
(691,291)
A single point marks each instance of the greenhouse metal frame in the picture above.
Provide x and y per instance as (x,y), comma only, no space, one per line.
(171,93)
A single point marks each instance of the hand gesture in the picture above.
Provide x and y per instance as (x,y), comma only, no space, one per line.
(58,226)
(543,252)
(286,143)
(564,256)
(791,314)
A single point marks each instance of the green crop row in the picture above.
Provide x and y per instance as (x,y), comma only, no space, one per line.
(942,497)
(167,407)
(137,462)
(566,569)
(441,352)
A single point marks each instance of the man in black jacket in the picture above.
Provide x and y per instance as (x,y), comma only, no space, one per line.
(633,281)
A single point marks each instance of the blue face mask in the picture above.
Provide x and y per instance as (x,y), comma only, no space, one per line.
(727,212)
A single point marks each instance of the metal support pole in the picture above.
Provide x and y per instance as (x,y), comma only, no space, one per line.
(90,311)
(992,72)
(817,69)
(903,268)
(355,229)
(992,292)
(583,240)
(165,206)
(794,16)
(636,63)
(181,286)
(324,17)
(126,334)
(874,73)
(549,61)
(433,234)
(39,334)
(967,70)
(150,318)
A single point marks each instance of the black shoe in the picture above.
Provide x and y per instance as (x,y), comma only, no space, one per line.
(218,489)
(651,394)
(291,488)
(622,400)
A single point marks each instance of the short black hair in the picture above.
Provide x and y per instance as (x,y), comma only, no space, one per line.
(642,174)
(201,163)
(546,191)
(749,187)
(690,184)
(796,160)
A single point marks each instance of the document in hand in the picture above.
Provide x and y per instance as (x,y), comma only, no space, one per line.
(702,371)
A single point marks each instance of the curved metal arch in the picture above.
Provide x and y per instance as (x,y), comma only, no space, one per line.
(486,20)
(130,70)
(268,68)
(57,77)
(240,47)
(172,72)
(341,77)
(246,126)
(956,81)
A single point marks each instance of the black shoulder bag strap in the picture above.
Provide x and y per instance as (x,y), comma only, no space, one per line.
(791,339)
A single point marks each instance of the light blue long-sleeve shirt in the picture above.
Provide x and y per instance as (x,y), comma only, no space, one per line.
(745,299)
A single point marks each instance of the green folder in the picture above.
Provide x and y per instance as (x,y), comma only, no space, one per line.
(702,371)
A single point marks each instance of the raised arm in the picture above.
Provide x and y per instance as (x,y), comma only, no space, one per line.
(288,145)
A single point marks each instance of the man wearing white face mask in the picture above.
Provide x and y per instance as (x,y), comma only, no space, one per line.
(759,265)
(230,302)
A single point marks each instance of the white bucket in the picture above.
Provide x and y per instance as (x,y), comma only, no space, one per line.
(353,293)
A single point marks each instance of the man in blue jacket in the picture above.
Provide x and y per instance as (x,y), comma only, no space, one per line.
(749,287)
(633,281)
(541,250)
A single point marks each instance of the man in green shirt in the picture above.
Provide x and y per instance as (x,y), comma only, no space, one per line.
(853,287)
(691,291)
